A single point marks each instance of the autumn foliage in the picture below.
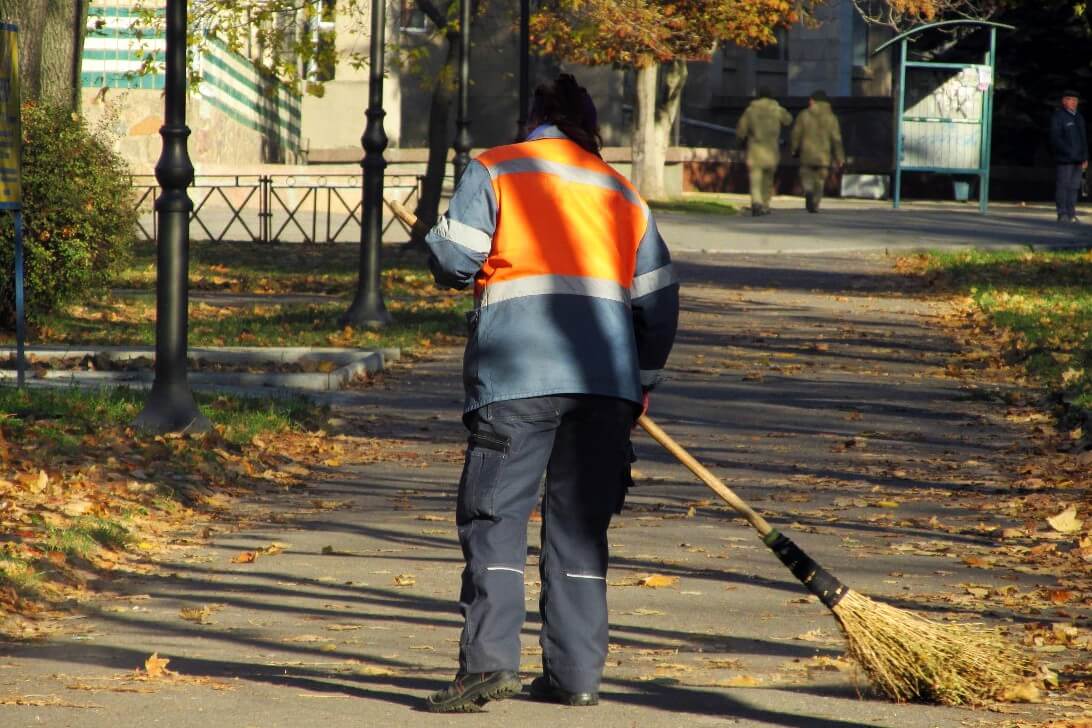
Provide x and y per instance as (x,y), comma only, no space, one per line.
(641,33)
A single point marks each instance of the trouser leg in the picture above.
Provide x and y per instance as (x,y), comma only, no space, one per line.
(1074,189)
(767,186)
(508,450)
(584,487)
(819,183)
(761,180)
(1067,186)
(812,180)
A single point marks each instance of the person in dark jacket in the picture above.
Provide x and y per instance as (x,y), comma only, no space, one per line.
(575,310)
(1069,140)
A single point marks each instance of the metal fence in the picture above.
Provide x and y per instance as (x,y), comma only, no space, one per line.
(275,208)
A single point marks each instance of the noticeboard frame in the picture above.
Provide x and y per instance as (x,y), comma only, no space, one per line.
(985,123)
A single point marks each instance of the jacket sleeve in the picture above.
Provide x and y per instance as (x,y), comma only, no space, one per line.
(1083,140)
(786,117)
(1057,135)
(742,130)
(836,141)
(654,297)
(461,239)
(796,135)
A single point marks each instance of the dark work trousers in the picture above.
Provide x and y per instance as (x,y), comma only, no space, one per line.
(1067,186)
(581,443)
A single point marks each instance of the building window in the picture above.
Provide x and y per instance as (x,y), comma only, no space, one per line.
(412,19)
(778,51)
(324,37)
(860,39)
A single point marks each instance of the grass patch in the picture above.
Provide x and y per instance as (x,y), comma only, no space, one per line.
(19,575)
(1042,300)
(424,315)
(704,203)
(84,536)
(81,485)
(61,420)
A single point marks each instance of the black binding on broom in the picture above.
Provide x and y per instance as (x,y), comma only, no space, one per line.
(817,579)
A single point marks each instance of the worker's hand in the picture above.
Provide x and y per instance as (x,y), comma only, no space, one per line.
(1084,165)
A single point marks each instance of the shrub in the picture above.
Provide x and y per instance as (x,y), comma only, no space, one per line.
(78,214)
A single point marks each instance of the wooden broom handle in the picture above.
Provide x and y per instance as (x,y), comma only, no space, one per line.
(726,493)
(399,210)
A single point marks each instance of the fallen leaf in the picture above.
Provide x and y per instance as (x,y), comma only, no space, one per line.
(405,580)
(739,681)
(156,667)
(657,581)
(1060,596)
(246,557)
(200,615)
(1027,692)
(815,635)
(1066,521)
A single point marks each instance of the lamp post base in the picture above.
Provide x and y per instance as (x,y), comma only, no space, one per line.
(171,409)
(363,314)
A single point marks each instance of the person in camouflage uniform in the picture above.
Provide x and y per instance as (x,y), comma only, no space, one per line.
(817,141)
(760,129)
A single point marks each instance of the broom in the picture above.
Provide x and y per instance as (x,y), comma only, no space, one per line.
(907,657)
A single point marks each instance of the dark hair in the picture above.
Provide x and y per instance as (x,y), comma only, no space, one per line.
(819,95)
(764,92)
(568,106)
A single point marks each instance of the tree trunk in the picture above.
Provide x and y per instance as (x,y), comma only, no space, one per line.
(51,34)
(439,137)
(439,115)
(654,118)
(648,156)
(62,52)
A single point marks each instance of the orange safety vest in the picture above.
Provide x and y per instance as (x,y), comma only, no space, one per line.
(563,212)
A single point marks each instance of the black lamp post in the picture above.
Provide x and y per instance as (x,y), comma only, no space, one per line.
(170,406)
(524,62)
(462,122)
(367,308)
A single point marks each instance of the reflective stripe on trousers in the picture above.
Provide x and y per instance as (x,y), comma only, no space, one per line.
(581,444)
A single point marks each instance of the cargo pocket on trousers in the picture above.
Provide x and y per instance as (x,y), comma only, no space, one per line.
(626,478)
(481,474)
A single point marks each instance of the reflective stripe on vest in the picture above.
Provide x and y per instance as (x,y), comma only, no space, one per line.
(567,223)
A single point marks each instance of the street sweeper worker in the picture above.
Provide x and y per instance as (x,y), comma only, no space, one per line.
(576,306)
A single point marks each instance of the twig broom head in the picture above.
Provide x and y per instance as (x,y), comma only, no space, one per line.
(908,657)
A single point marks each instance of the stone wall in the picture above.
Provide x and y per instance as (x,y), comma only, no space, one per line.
(132,118)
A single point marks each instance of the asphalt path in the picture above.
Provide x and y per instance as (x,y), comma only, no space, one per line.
(817,386)
(855,225)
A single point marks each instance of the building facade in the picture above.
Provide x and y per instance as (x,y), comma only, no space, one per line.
(241,116)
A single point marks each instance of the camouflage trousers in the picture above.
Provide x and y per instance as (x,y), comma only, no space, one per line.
(813,179)
(762,182)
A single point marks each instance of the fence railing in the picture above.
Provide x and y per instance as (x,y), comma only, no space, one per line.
(275,208)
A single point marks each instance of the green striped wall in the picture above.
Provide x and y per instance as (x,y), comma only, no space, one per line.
(230,82)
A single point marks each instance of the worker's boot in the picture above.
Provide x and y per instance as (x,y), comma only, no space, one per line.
(469,691)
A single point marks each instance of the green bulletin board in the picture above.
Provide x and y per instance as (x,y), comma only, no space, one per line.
(945,112)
